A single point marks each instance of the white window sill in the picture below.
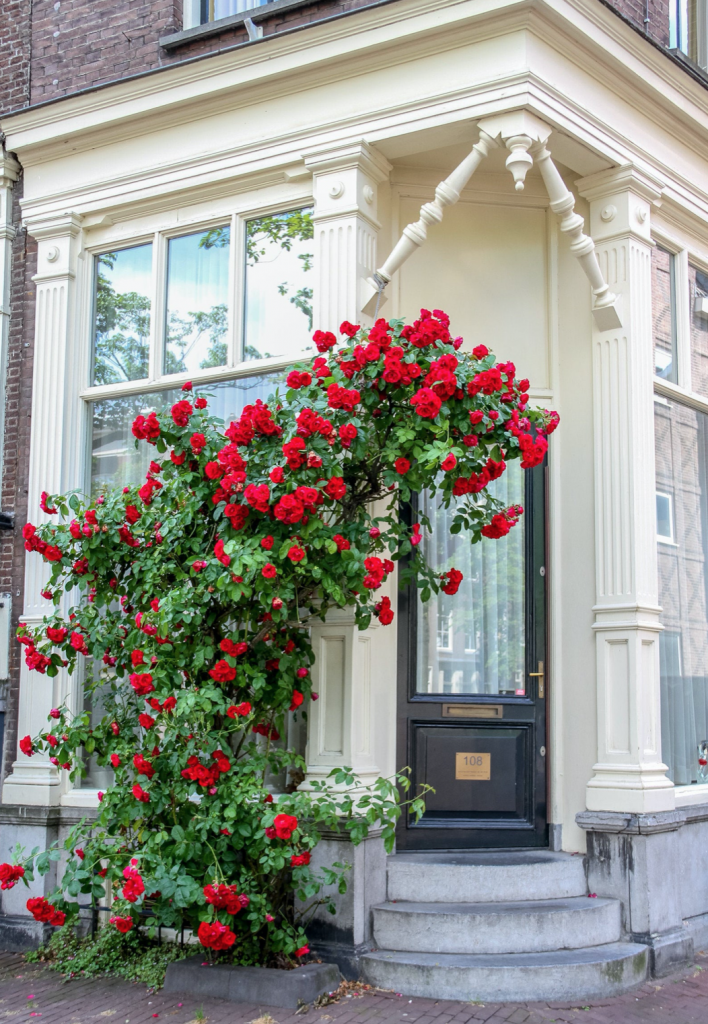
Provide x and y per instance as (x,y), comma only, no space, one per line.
(690,796)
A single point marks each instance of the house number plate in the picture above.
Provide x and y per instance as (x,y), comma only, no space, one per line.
(473,767)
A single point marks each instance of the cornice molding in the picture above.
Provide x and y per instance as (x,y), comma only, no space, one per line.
(393,31)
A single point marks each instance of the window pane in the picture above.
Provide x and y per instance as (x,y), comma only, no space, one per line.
(122,315)
(279,285)
(197,301)
(698,291)
(663,313)
(115,460)
(474,642)
(682,472)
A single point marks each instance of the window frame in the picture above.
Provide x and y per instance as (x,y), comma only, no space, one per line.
(681,392)
(86,393)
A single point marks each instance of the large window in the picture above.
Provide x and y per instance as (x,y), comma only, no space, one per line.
(688,29)
(227,306)
(682,534)
(475,642)
(663,283)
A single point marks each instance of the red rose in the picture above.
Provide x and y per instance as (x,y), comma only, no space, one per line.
(300,860)
(10,874)
(233,649)
(220,554)
(402,465)
(453,577)
(141,683)
(57,636)
(26,746)
(140,794)
(296,553)
(199,565)
(123,924)
(197,443)
(296,701)
(302,951)
(349,329)
(426,403)
(276,475)
(267,542)
(284,825)
(347,433)
(239,710)
(269,571)
(146,721)
(449,462)
(480,351)
(324,340)
(216,935)
(222,672)
(336,488)
(200,403)
(181,411)
(384,611)
(289,509)
(177,459)
(115,760)
(341,542)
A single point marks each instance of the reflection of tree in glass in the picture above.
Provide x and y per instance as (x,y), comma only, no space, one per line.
(122,328)
(183,333)
(283,230)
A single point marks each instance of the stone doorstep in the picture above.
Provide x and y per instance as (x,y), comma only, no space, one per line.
(266,986)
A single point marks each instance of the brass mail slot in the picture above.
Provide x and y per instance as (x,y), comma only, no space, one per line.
(473,710)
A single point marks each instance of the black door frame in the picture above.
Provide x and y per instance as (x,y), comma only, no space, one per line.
(527,715)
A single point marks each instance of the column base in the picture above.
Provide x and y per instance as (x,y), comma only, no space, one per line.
(630,789)
(668,951)
(37,785)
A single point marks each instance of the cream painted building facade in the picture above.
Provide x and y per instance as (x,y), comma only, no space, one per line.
(360,121)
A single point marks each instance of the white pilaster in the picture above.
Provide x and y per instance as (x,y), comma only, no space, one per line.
(341,721)
(629,774)
(345,187)
(56,458)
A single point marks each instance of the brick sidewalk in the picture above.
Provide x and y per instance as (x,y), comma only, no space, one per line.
(31,993)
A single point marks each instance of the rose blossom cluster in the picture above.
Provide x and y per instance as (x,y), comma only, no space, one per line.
(200,582)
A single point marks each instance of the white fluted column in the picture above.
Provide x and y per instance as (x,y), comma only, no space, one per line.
(345,187)
(629,774)
(55,466)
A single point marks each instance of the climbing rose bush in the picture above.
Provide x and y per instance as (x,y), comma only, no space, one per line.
(187,602)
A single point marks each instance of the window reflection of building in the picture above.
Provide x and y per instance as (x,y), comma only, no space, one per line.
(474,643)
(682,473)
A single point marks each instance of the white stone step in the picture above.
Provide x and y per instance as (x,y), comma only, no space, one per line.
(485,876)
(564,975)
(522,927)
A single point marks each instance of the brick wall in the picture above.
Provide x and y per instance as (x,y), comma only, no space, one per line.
(14,53)
(656,11)
(81,43)
(18,406)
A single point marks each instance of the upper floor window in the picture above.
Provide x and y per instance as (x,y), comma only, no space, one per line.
(201,12)
(688,29)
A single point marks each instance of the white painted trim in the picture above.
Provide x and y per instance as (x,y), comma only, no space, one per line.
(690,796)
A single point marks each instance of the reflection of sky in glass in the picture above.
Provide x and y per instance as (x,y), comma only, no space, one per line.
(121,325)
(197,301)
(274,325)
(115,459)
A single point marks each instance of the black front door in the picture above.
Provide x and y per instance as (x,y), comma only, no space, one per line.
(473,683)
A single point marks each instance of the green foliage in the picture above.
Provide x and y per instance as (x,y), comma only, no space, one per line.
(134,956)
(194,594)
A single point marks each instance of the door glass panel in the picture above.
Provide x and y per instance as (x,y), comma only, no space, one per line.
(474,642)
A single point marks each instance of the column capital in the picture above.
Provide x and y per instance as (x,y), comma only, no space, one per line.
(9,170)
(59,244)
(621,200)
(355,156)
